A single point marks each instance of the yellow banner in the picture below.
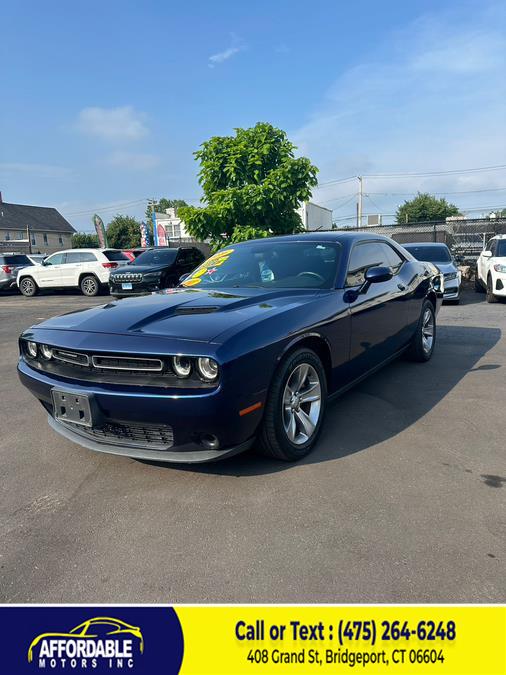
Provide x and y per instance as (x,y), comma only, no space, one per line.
(457,640)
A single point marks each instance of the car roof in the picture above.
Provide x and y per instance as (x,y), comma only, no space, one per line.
(323,235)
(498,236)
(424,244)
(87,250)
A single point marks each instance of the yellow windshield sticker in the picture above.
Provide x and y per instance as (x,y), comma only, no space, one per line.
(208,267)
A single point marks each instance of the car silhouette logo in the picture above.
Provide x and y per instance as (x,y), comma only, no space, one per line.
(92,629)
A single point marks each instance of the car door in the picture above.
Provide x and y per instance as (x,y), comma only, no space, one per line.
(379,315)
(70,268)
(49,273)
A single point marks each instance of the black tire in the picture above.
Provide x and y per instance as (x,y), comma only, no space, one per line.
(89,285)
(490,292)
(273,439)
(477,283)
(28,287)
(418,349)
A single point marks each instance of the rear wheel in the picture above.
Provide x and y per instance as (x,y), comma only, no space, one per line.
(424,340)
(89,285)
(295,407)
(28,287)
(490,290)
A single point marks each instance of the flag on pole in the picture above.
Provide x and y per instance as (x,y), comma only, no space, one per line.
(100,230)
(153,218)
(145,238)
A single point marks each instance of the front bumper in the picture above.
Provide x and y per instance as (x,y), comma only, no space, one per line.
(190,418)
(451,290)
(138,288)
(499,284)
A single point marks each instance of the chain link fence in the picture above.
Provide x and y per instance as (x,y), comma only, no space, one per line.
(466,238)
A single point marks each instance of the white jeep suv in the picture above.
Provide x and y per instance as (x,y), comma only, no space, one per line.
(84,268)
(491,269)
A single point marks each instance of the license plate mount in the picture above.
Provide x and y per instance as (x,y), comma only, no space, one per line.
(71,407)
(126,287)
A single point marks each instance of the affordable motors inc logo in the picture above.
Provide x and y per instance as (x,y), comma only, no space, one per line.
(103,643)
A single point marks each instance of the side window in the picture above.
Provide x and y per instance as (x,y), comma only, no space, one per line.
(363,256)
(492,246)
(183,256)
(393,259)
(73,257)
(87,257)
(56,259)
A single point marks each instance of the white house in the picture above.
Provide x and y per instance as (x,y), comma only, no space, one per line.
(315,217)
(169,226)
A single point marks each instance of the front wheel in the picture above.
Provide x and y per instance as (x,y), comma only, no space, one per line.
(295,407)
(424,340)
(89,286)
(490,290)
(28,287)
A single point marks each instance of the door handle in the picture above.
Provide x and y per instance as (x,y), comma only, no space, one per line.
(401,287)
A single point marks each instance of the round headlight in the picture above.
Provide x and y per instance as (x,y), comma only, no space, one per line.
(182,366)
(46,352)
(208,369)
(31,348)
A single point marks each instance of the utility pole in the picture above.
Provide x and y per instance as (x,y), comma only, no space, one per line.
(359,204)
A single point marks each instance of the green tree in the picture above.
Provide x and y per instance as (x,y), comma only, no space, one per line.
(252,186)
(425,207)
(84,240)
(123,232)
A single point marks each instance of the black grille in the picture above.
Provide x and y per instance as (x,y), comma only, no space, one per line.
(133,277)
(127,363)
(75,358)
(151,436)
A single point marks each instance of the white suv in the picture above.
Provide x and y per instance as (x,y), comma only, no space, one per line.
(491,269)
(84,268)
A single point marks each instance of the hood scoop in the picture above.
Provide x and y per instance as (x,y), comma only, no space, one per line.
(195,310)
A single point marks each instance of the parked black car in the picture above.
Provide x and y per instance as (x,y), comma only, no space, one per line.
(153,270)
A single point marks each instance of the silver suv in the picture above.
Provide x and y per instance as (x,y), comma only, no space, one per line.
(10,264)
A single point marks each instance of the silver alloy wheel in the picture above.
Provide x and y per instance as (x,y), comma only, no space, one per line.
(28,286)
(89,286)
(427,331)
(301,403)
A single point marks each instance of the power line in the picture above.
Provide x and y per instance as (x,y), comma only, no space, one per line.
(107,208)
(457,192)
(446,172)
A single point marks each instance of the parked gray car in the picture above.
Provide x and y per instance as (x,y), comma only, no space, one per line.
(439,255)
(10,264)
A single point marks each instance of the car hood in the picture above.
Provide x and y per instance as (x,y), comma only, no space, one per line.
(445,268)
(188,313)
(139,269)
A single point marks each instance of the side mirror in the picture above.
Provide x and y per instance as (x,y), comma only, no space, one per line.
(375,275)
(487,254)
(45,263)
(183,277)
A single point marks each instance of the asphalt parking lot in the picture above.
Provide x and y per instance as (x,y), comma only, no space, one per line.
(403,500)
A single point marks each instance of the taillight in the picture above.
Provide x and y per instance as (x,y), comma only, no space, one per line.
(109,265)
(7,269)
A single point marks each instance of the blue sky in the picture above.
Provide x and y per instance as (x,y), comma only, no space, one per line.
(103,103)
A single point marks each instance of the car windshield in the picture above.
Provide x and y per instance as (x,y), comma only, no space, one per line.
(433,254)
(156,257)
(273,264)
(500,251)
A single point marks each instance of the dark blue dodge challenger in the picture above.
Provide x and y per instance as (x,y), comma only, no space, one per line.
(246,351)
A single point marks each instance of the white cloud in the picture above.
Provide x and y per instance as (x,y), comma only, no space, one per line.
(112,124)
(136,161)
(431,99)
(235,48)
